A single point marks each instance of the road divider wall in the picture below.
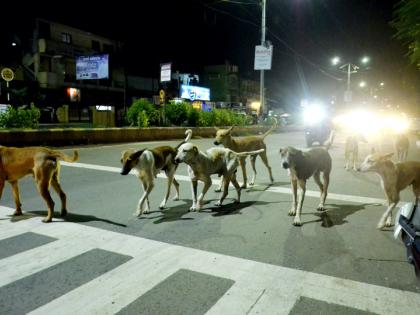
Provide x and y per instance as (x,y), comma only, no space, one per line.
(75,136)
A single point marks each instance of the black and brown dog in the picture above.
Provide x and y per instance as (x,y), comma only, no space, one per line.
(303,165)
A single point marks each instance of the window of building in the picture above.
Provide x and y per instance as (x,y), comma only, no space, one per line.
(66,38)
(96,45)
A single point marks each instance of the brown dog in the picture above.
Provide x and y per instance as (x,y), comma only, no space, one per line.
(43,164)
(245,144)
(395,177)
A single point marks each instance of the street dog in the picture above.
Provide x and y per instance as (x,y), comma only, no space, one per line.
(395,177)
(224,137)
(43,164)
(301,166)
(402,145)
(201,165)
(147,164)
(351,150)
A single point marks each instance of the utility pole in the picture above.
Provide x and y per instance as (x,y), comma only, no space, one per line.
(262,96)
(349,68)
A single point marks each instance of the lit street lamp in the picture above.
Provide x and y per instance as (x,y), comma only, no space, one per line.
(362,84)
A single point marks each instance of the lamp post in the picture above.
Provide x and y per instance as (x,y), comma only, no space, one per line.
(348,68)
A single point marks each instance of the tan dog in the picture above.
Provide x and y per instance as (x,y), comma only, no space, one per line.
(147,163)
(394,178)
(303,165)
(351,150)
(245,144)
(402,145)
(43,164)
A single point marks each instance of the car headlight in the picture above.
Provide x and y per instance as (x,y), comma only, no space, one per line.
(313,115)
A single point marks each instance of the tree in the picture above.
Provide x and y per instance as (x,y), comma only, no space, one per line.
(407,23)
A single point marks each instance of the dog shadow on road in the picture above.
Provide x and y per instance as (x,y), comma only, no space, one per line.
(336,214)
(78,218)
(262,187)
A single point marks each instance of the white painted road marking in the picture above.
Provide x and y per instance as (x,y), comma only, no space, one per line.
(280,190)
(259,288)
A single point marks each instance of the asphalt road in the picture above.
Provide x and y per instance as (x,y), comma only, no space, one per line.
(342,242)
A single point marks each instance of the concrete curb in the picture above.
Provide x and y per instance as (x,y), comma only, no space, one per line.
(74,136)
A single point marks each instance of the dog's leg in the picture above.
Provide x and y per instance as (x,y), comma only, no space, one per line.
(147,188)
(2,182)
(207,185)
(326,177)
(302,185)
(254,175)
(355,158)
(384,221)
(219,188)
(223,195)
(237,187)
(242,162)
(176,184)
(293,182)
(55,183)
(264,159)
(170,176)
(44,192)
(194,185)
(321,189)
(16,197)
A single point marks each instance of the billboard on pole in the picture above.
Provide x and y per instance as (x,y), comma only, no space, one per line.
(92,67)
(165,72)
(195,93)
(263,56)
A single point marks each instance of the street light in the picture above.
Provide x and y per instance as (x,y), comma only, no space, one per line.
(349,68)
(362,84)
(382,84)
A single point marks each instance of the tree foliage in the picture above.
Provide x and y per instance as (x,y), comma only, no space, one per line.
(407,24)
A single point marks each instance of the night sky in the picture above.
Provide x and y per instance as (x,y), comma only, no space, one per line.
(192,34)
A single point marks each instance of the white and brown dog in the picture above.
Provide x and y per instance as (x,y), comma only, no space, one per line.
(303,165)
(245,144)
(201,165)
(395,177)
(351,151)
(43,164)
(147,164)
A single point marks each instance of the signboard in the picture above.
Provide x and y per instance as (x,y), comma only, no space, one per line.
(7,74)
(92,67)
(194,93)
(165,72)
(162,96)
(263,56)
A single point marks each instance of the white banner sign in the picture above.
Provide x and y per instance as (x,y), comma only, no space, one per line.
(165,72)
(263,56)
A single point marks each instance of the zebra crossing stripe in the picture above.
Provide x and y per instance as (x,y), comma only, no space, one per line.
(258,287)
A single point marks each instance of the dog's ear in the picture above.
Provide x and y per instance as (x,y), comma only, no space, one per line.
(387,156)
(136,154)
(230,129)
(195,150)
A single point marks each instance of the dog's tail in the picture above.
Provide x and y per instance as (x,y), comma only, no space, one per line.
(62,156)
(188,132)
(274,126)
(242,154)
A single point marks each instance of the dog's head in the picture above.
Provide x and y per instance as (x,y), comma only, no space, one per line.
(375,161)
(129,159)
(222,136)
(186,152)
(289,156)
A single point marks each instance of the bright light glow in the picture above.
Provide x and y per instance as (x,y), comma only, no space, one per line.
(382,84)
(365,59)
(362,84)
(13,44)
(313,114)
(255,106)
(335,61)
(375,96)
(371,123)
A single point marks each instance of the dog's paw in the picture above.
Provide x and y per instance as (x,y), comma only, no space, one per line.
(176,198)
(218,189)
(17,212)
(146,211)
(381,225)
(63,212)
(292,212)
(321,208)
(243,186)
(297,222)
(47,220)
(218,204)
(388,222)
(251,183)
